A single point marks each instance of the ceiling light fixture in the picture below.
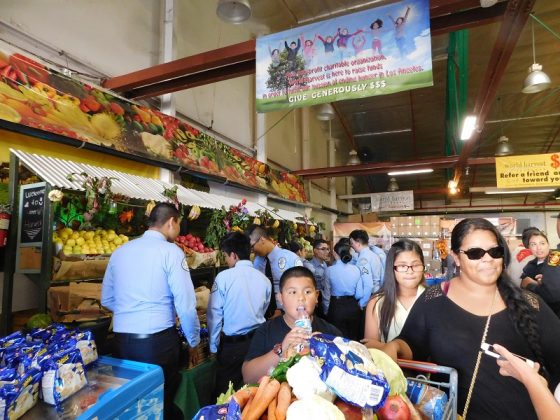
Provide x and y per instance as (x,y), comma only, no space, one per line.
(537,80)
(469,125)
(354,159)
(452,187)
(325,113)
(410,172)
(504,147)
(392,186)
(234,11)
(488,3)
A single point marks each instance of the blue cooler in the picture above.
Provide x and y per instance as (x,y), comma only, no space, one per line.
(140,393)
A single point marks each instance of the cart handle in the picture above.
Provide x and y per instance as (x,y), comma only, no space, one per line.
(424,366)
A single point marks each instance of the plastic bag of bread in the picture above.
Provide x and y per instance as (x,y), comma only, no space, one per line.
(17,399)
(63,376)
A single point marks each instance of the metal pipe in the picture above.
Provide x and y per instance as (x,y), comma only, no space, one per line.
(339,11)
(532,117)
(380,133)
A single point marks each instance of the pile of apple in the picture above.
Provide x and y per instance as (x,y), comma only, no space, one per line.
(189,243)
(89,242)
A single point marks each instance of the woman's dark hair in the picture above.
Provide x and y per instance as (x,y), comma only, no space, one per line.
(342,248)
(360,236)
(389,288)
(161,213)
(379,23)
(527,234)
(296,272)
(238,243)
(520,311)
(294,246)
(275,50)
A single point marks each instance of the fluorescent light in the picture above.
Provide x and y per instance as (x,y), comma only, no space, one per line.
(495,190)
(410,172)
(469,125)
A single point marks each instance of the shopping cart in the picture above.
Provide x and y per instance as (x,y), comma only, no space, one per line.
(450,412)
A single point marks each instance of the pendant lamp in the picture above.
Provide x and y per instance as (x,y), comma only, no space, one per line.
(393,186)
(234,11)
(537,80)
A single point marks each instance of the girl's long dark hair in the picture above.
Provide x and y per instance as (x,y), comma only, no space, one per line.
(389,289)
(342,248)
(522,314)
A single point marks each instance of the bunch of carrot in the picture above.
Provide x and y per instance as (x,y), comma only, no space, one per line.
(269,400)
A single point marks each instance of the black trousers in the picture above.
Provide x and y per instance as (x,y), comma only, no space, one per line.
(346,315)
(230,358)
(162,349)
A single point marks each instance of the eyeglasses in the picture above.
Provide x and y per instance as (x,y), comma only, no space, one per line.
(478,253)
(416,268)
(253,243)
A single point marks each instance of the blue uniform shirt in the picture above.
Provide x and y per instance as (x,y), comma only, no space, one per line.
(343,280)
(147,280)
(369,265)
(280,260)
(382,257)
(238,301)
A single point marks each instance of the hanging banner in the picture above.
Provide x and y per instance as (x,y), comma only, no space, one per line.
(40,97)
(392,201)
(528,171)
(375,52)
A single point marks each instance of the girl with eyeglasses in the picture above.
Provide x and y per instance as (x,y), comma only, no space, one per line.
(388,309)
(451,322)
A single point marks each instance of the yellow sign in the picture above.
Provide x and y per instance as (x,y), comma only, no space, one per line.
(528,171)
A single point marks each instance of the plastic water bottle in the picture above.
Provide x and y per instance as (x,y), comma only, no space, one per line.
(303,321)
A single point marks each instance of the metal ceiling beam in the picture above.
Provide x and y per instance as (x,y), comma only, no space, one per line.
(384,167)
(514,19)
(239,59)
(221,58)
(466,19)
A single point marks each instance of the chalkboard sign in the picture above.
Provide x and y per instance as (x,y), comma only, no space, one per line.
(32,203)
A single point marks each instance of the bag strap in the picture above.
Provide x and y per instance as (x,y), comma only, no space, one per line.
(478,358)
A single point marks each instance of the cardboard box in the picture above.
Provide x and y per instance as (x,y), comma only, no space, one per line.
(76,302)
(370,217)
(354,218)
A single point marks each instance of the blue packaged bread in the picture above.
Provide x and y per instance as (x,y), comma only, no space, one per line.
(349,371)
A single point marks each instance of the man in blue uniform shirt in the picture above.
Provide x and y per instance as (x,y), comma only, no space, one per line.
(146,282)
(239,298)
(321,255)
(368,263)
(280,259)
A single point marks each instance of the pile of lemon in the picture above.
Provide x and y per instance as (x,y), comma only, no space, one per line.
(98,241)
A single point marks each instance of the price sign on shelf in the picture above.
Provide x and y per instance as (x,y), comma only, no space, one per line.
(32,201)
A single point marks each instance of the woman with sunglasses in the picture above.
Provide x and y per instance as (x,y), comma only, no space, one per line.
(387,311)
(450,321)
(542,274)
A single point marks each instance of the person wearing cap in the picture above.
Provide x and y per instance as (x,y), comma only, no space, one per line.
(147,282)
(280,259)
(231,325)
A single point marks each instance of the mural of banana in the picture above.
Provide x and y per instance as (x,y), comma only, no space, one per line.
(149,207)
(194,213)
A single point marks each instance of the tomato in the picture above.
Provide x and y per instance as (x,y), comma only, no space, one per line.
(394,409)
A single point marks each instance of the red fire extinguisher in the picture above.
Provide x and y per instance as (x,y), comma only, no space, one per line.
(4,225)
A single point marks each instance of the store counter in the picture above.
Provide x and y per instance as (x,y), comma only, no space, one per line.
(196,388)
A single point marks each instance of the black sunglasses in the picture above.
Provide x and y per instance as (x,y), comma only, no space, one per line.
(478,253)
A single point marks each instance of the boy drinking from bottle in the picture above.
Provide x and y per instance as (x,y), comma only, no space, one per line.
(279,338)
